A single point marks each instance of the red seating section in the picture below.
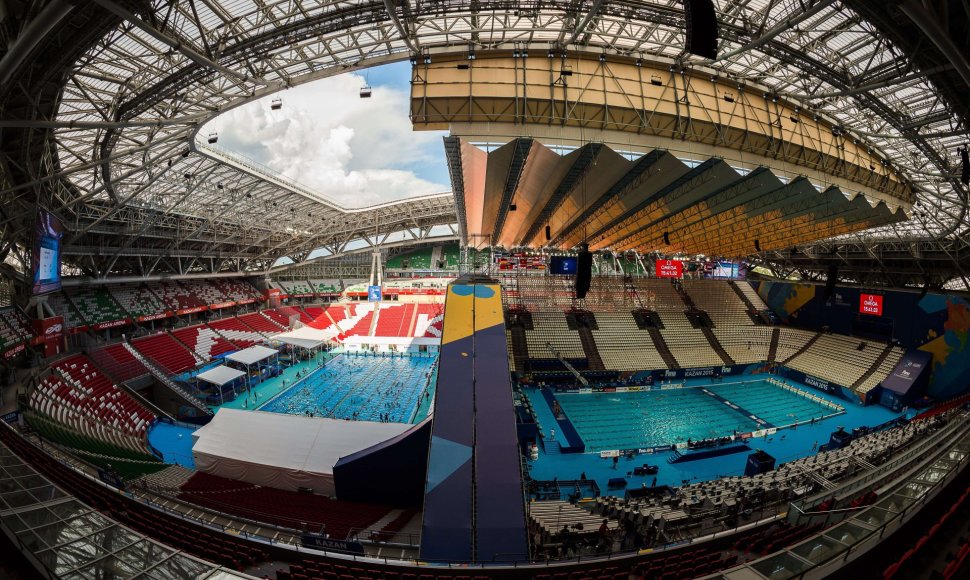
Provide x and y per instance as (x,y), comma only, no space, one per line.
(177,297)
(281,319)
(240,334)
(97,397)
(435,313)
(278,507)
(362,328)
(166,352)
(204,341)
(118,362)
(952,568)
(394,320)
(289,311)
(259,322)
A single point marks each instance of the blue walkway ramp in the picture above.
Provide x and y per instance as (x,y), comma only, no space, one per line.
(474,505)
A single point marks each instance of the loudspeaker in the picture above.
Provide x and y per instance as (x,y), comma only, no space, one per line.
(667,238)
(701,28)
(831,279)
(757,245)
(584,271)
(548,233)
(965,160)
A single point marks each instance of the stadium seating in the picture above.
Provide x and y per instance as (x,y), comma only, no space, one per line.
(277,317)
(296,287)
(429,320)
(751,295)
(103,400)
(118,362)
(224,549)
(687,344)
(790,341)
(774,486)
(836,358)
(91,416)
(745,344)
(326,286)
(290,311)
(63,308)
(138,300)
(96,305)
(177,297)
(720,301)
(14,326)
(206,293)
(419,259)
(279,507)
(235,290)
(260,323)
(233,329)
(885,367)
(204,341)
(165,351)
(394,320)
(551,327)
(359,324)
(623,346)
(451,254)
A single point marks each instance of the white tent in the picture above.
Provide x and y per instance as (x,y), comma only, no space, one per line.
(252,355)
(220,375)
(283,451)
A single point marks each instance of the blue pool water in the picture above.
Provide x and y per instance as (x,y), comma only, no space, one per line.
(360,387)
(653,418)
(174,442)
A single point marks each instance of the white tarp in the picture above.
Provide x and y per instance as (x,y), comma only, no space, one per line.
(220,375)
(251,355)
(306,337)
(283,451)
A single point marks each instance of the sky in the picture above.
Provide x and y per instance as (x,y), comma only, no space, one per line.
(356,151)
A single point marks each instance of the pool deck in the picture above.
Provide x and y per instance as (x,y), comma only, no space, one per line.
(785,445)
(263,392)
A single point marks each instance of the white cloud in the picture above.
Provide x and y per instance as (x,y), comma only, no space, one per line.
(357,151)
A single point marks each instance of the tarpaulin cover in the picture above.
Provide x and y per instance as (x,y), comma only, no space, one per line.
(283,451)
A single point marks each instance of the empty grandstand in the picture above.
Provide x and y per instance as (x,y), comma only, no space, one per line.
(654,290)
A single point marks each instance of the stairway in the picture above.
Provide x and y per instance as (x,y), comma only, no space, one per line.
(744,298)
(807,346)
(716,345)
(551,447)
(165,380)
(773,348)
(520,347)
(661,345)
(682,293)
(593,359)
(875,366)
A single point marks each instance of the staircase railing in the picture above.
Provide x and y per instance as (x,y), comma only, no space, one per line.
(165,380)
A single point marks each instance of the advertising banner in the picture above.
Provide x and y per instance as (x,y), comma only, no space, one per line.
(670,269)
(870,304)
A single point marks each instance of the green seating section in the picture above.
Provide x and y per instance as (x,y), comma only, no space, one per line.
(419,259)
(329,286)
(96,305)
(57,432)
(296,286)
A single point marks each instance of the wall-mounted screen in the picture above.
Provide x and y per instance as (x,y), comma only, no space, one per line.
(870,304)
(564,265)
(46,255)
(670,269)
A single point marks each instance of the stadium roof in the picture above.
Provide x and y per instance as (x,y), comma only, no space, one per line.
(102,102)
